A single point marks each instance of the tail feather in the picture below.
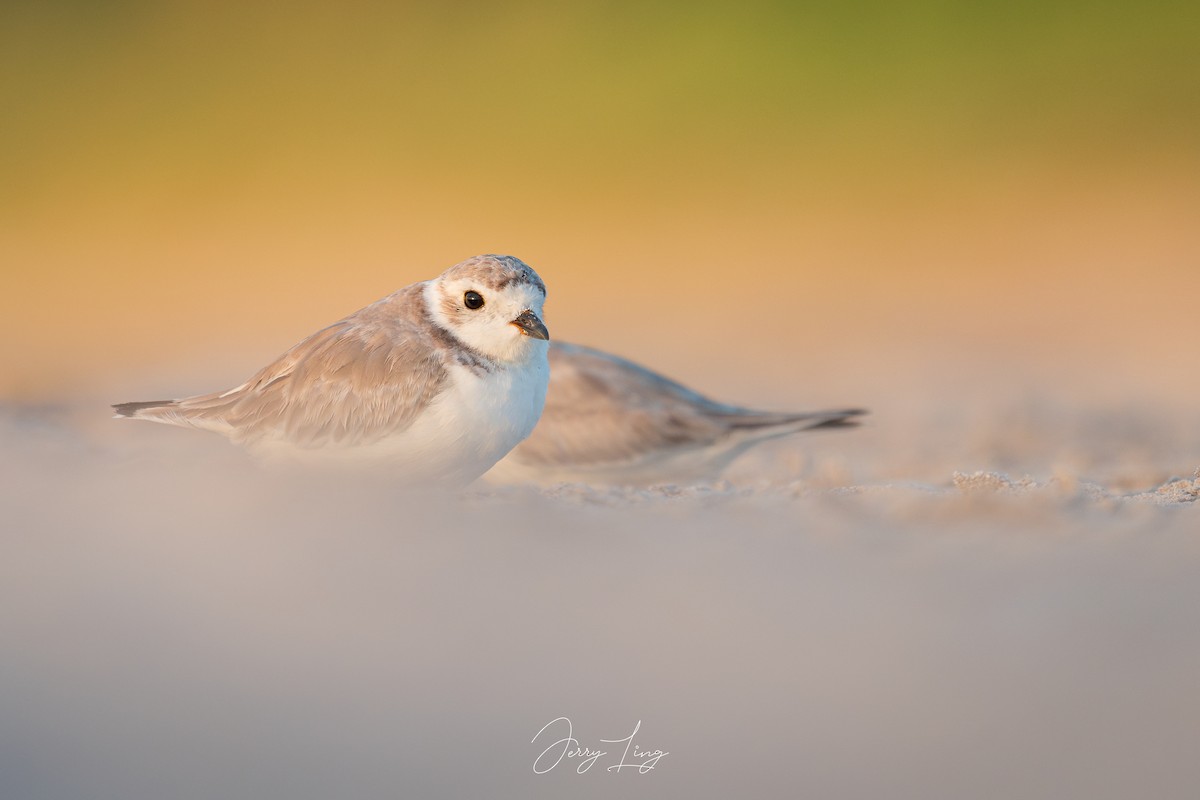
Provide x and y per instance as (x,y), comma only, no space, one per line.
(188,413)
(133,409)
(837,422)
(813,420)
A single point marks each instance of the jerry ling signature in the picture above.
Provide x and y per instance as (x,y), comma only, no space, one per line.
(569,747)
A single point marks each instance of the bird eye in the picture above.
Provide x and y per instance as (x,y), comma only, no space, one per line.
(473,300)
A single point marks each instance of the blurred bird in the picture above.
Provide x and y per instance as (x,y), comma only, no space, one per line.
(609,420)
(434,383)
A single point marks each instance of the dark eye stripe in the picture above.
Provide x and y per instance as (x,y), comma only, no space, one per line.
(473,300)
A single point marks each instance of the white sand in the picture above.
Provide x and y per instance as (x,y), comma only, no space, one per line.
(1002,611)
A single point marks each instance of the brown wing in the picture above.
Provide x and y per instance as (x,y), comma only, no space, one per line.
(351,383)
(602,409)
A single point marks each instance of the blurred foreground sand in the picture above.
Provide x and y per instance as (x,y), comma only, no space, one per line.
(829,621)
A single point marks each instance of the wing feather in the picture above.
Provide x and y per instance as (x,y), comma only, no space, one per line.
(605,410)
(355,382)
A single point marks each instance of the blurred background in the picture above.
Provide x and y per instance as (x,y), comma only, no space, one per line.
(784,203)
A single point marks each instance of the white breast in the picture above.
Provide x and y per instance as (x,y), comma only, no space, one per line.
(479,418)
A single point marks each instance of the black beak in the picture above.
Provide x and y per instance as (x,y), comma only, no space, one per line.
(530,325)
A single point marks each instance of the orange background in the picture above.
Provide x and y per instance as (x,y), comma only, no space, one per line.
(810,205)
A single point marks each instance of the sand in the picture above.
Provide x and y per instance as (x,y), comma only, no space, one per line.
(827,620)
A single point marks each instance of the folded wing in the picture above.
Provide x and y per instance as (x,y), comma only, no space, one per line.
(352,383)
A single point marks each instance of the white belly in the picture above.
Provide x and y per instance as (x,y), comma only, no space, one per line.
(470,426)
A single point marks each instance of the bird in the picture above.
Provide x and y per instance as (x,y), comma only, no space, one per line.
(434,383)
(609,420)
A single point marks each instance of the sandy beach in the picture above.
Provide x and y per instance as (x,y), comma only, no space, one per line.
(180,623)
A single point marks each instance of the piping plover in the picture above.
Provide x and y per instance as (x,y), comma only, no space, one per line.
(612,421)
(434,383)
